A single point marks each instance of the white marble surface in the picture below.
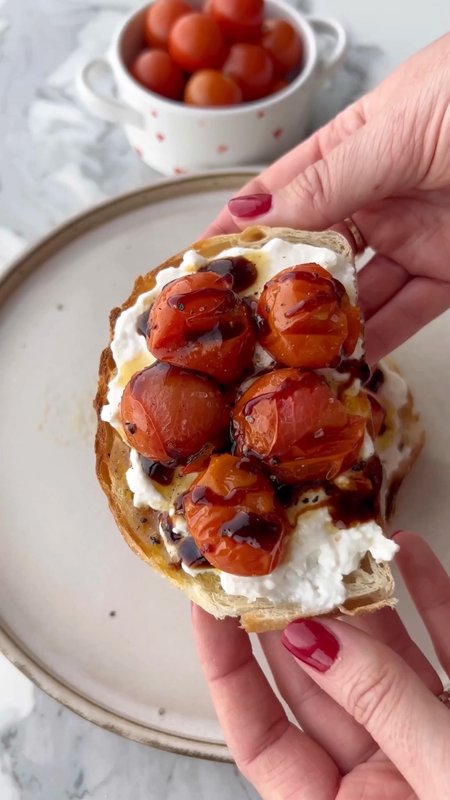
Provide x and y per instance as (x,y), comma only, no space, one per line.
(54,161)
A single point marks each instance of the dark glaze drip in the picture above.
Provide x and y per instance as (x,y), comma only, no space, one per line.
(217,301)
(204,496)
(187,550)
(167,528)
(375,381)
(313,279)
(191,555)
(288,494)
(142,324)
(252,529)
(280,393)
(242,272)
(160,473)
(250,465)
(222,331)
(309,304)
(361,502)
(356,368)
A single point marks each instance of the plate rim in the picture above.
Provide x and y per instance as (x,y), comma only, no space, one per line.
(17,271)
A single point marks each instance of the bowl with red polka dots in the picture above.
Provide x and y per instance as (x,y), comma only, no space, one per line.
(175,137)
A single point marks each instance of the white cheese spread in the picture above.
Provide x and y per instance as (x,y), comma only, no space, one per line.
(317,558)
(394,396)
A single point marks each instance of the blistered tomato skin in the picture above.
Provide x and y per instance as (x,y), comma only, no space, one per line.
(307,318)
(291,421)
(169,415)
(200,323)
(233,515)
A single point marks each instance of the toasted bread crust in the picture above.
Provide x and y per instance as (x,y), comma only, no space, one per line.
(369,588)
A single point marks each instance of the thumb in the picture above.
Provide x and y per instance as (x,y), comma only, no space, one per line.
(375,686)
(373,163)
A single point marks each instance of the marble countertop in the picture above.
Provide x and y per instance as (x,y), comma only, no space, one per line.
(55,160)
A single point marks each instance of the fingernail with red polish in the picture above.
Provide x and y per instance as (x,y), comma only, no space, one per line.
(396,533)
(312,643)
(250,205)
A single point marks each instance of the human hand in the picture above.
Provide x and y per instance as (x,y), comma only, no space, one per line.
(363,692)
(385,160)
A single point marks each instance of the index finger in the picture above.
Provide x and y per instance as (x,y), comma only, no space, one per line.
(275,756)
(274,177)
(375,686)
(282,171)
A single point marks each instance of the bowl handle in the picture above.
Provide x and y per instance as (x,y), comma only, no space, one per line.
(329,62)
(105,107)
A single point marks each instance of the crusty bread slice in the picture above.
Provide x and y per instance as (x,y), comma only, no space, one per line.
(369,588)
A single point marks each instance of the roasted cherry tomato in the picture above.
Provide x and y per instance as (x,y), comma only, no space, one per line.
(155,70)
(195,42)
(283,44)
(209,87)
(169,415)
(199,323)
(307,318)
(291,420)
(160,19)
(252,68)
(233,515)
(378,414)
(239,20)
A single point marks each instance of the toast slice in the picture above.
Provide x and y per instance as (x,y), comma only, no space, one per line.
(368,588)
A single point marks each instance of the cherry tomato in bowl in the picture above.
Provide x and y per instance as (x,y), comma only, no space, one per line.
(291,420)
(239,20)
(195,42)
(209,87)
(169,415)
(234,517)
(283,44)
(160,18)
(157,71)
(307,318)
(252,69)
(278,85)
(198,322)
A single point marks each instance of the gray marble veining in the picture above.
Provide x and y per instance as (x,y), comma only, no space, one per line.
(56,160)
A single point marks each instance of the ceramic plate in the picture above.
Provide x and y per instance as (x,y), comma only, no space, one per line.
(80,615)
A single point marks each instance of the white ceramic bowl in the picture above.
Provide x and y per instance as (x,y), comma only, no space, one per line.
(175,138)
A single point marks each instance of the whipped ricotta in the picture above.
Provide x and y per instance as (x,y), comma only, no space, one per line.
(317,558)
(319,554)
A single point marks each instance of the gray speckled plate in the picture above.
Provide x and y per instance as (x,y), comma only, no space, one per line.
(80,615)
